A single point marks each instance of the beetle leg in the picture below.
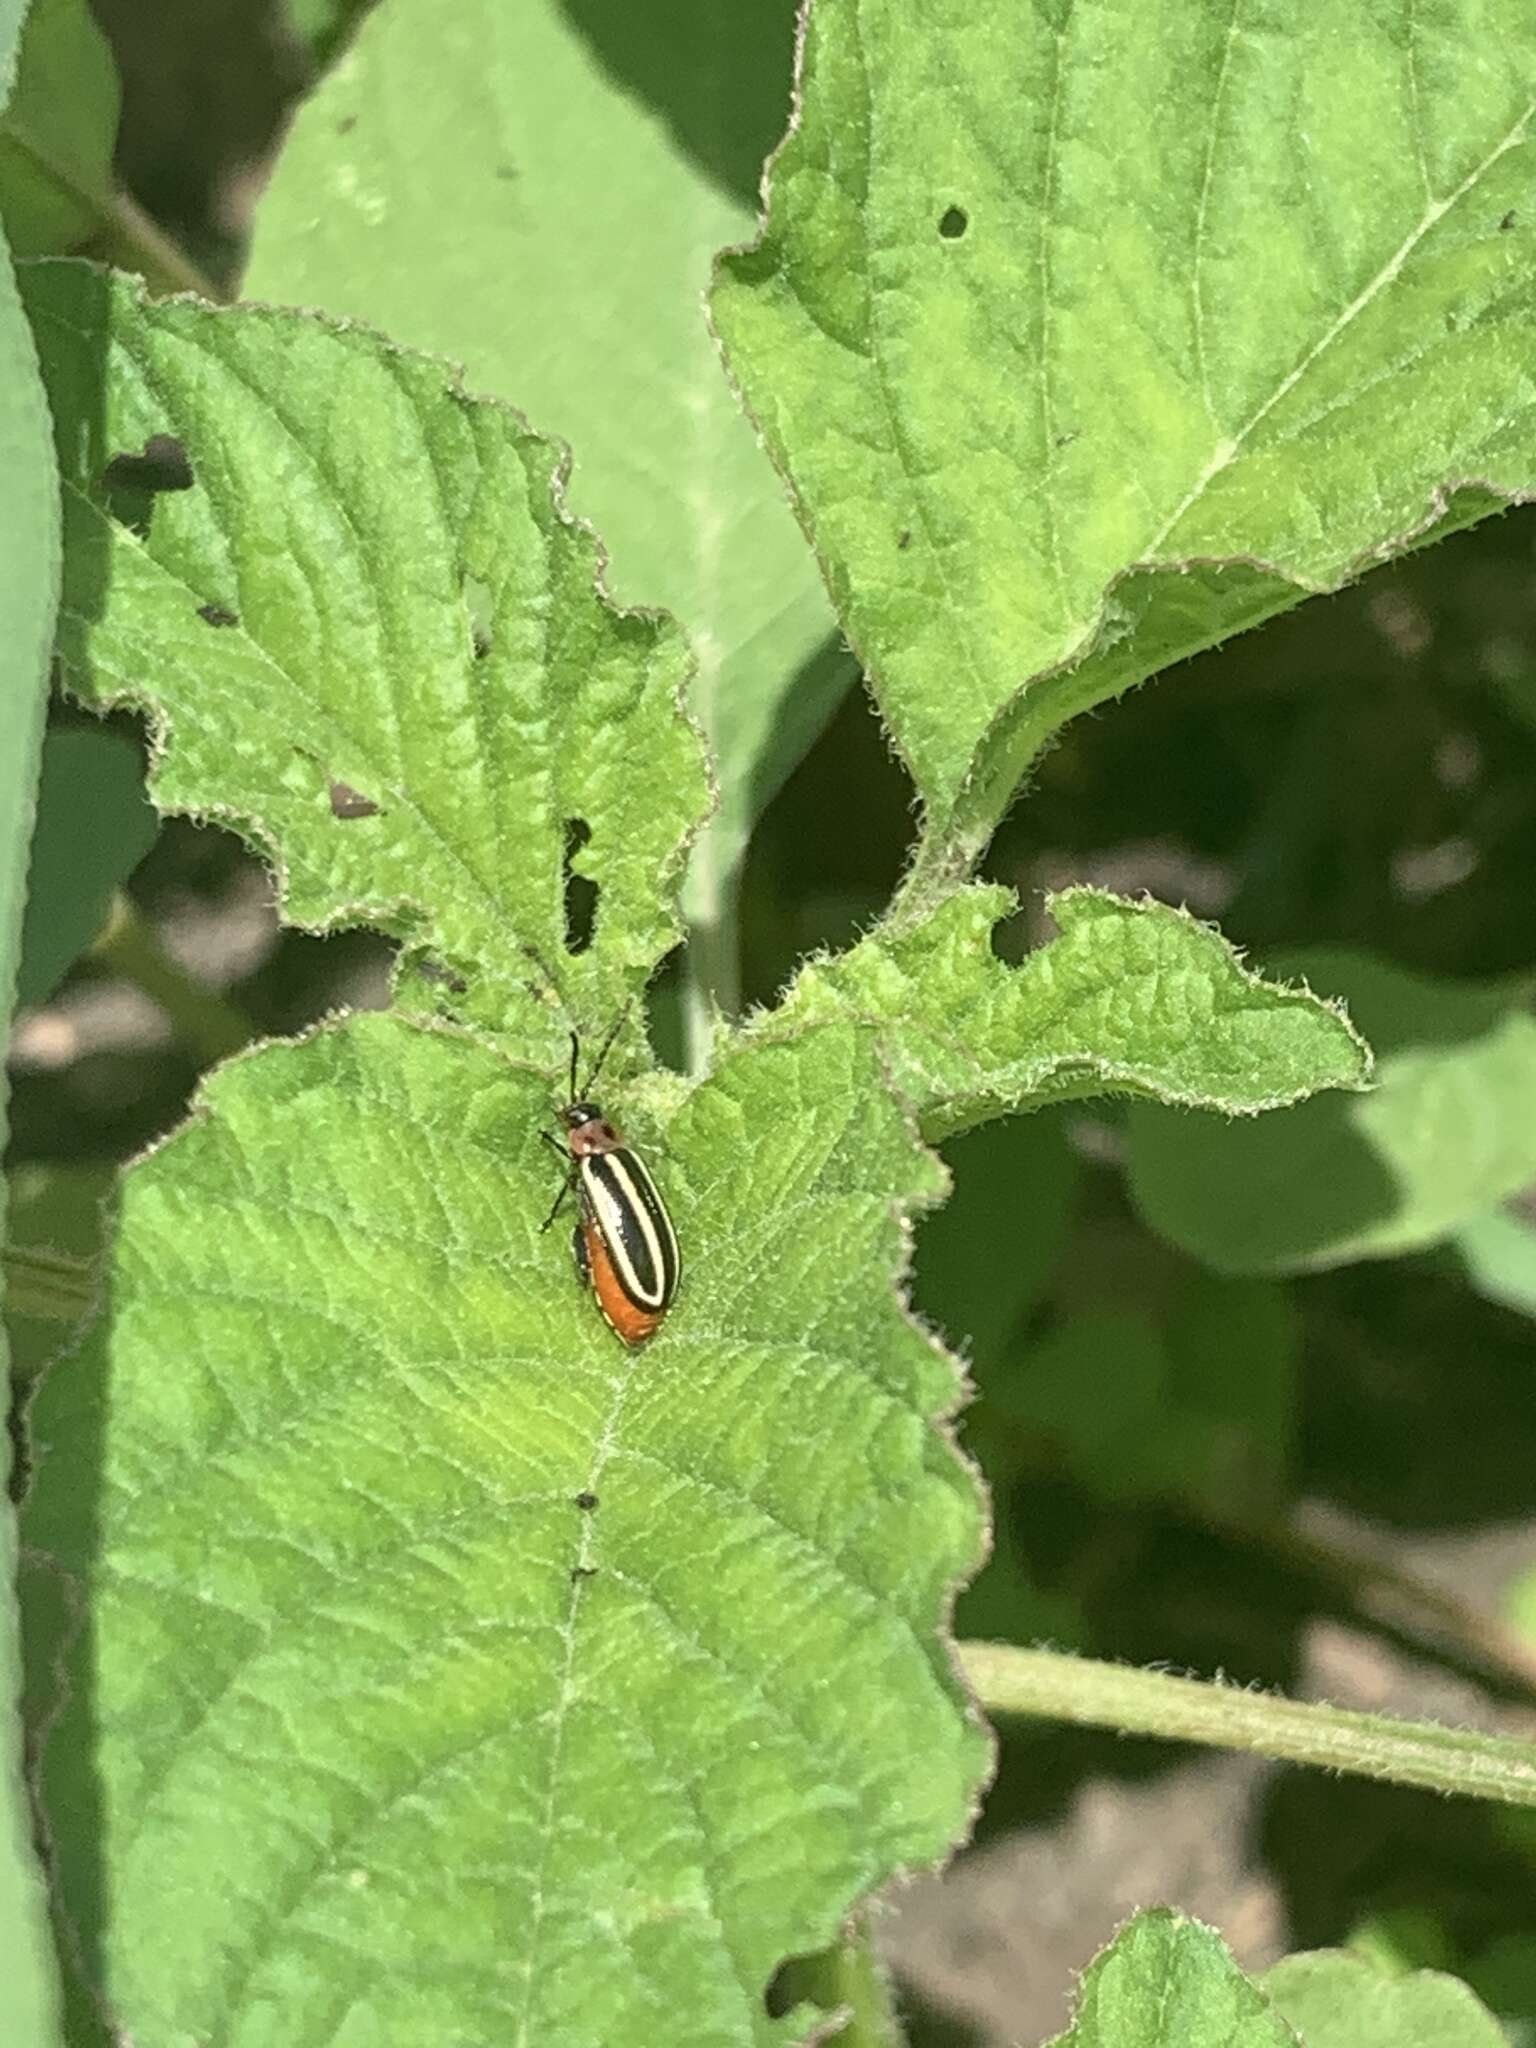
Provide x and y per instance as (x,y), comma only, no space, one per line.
(579,1254)
(565,1188)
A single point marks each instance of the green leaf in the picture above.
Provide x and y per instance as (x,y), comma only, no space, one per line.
(1131,998)
(1498,1255)
(985,1258)
(1168,1982)
(1336,2000)
(367,635)
(58,133)
(1445,1135)
(1504,1977)
(453,1674)
(520,119)
(593,1684)
(29,591)
(94,825)
(1199,1410)
(1089,335)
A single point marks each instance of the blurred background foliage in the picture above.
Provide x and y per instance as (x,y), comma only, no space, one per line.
(1309,1472)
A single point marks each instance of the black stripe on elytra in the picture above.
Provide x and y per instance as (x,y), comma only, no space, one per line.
(645,1254)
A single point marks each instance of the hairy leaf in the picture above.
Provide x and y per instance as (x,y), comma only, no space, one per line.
(1168,1982)
(454,1675)
(518,118)
(367,636)
(1335,2000)
(1087,335)
(586,1685)
(1131,998)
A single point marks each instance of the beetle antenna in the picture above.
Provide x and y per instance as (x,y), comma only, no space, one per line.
(551,989)
(603,1050)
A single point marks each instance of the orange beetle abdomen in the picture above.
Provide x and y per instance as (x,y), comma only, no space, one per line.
(627,1321)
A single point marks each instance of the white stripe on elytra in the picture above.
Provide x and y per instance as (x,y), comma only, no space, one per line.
(609,1205)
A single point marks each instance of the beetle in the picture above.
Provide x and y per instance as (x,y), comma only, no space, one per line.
(624,1244)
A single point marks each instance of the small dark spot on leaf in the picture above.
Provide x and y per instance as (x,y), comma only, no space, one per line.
(953,223)
(506,172)
(586,1502)
(218,615)
(583,1571)
(904,538)
(1066,440)
(435,971)
(480,605)
(580,890)
(346,124)
(1507,222)
(347,802)
(161,465)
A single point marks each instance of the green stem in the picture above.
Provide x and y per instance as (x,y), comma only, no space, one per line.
(851,1977)
(125,234)
(213,1027)
(1010,1680)
(130,240)
(52,1286)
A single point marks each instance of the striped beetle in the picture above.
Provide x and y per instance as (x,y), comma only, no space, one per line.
(624,1244)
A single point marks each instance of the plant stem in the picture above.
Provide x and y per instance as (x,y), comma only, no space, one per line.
(211,1026)
(130,240)
(53,1286)
(1083,1690)
(125,235)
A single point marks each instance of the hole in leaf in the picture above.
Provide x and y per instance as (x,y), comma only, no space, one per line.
(162,465)
(480,605)
(218,615)
(793,1983)
(347,802)
(580,890)
(133,482)
(953,223)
